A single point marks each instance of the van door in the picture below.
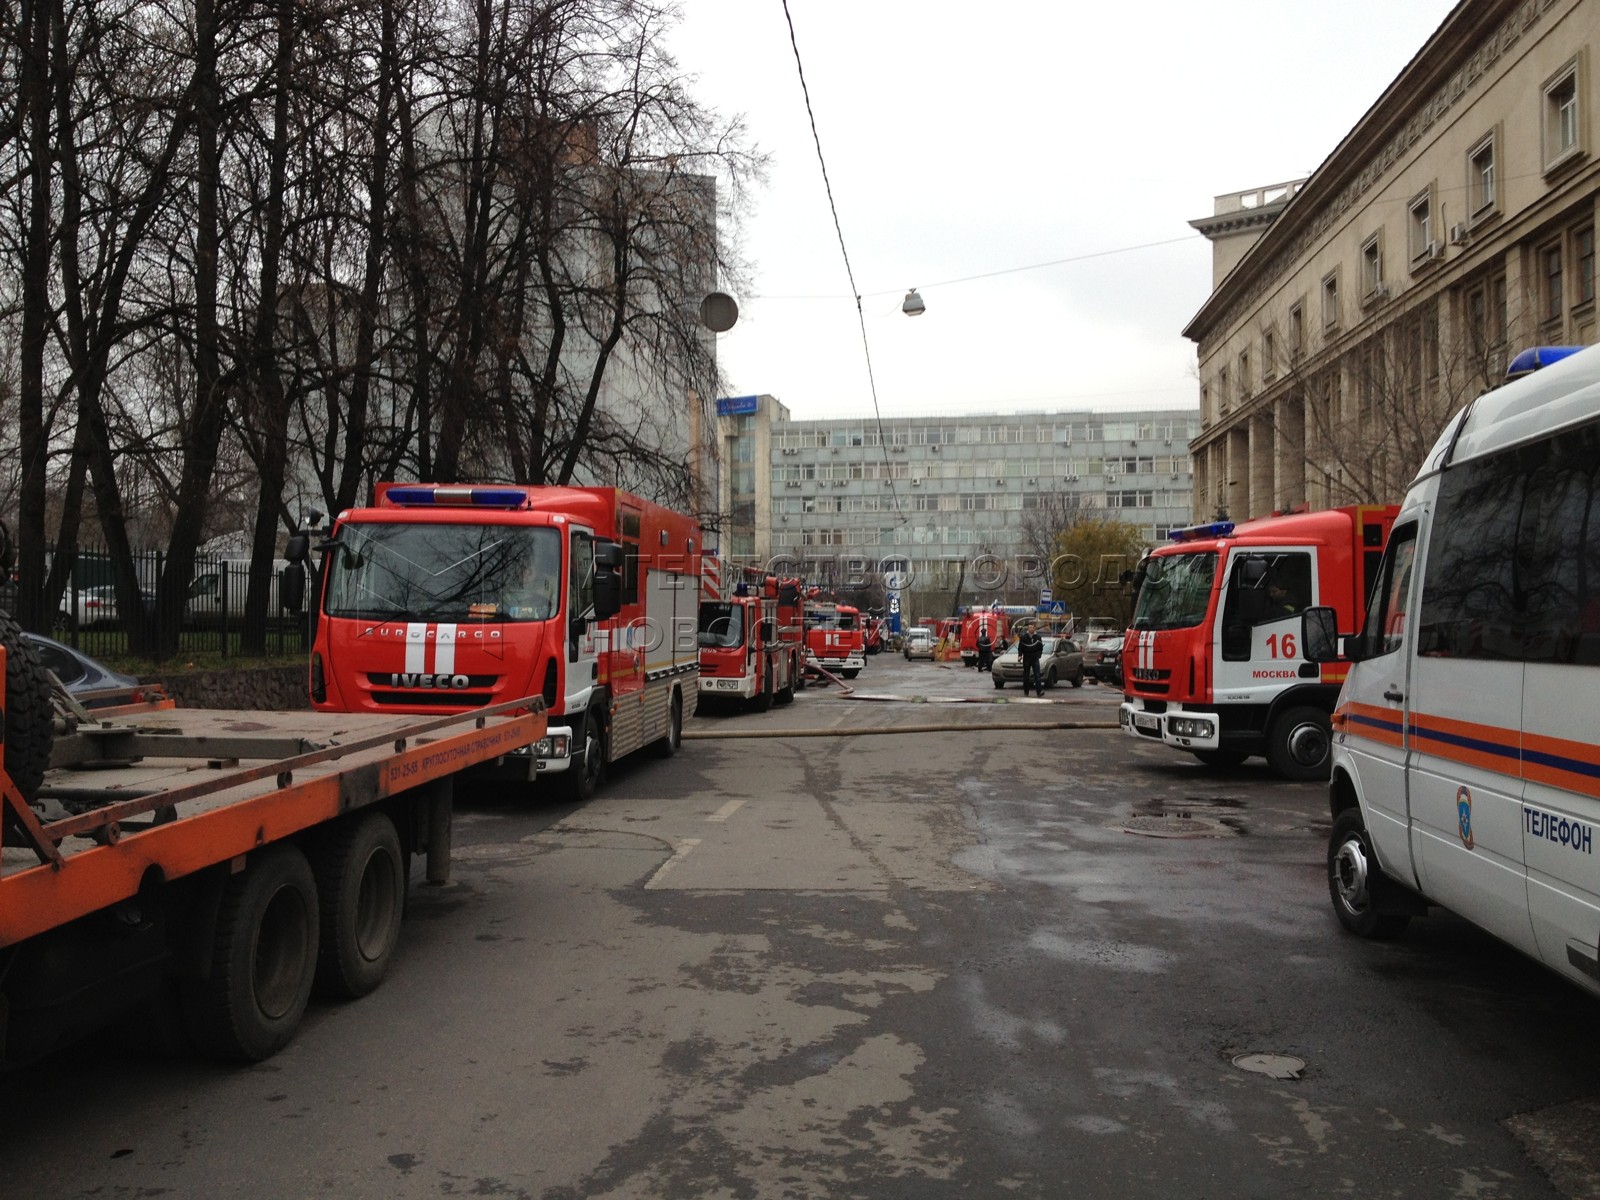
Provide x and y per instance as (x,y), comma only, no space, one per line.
(1370,722)
(1561,646)
(1464,703)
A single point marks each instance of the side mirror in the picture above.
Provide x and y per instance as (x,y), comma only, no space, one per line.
(292,586)
(298,548)
(608,555)
(607,591)
(1319,635)
(767,631)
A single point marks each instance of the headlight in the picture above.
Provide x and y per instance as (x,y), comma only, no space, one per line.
(551,747)
(1190,727)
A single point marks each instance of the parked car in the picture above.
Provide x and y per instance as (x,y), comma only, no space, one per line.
(920,643)
(1062,660)
(1102,658)
(81,675)
(95,607)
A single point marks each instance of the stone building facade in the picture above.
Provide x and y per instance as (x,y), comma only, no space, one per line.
(1453,226)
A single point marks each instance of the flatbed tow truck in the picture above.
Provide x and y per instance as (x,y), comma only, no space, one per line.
(200,870)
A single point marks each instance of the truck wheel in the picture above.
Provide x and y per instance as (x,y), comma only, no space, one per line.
(262,959)
(786,692)
(852,673)
(763,701)
(581,779)
(29,709)
(1221,759)
(667,746)
(361,892)
(1299,743)
(1353,877)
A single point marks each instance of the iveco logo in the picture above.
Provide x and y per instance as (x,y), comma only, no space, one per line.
(428,681)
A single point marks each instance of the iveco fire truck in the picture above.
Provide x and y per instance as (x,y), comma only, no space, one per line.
(1213,665)
(750,626)
(836,640)
(444,598)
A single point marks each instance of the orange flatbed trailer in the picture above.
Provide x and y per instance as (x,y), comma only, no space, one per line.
(150,814)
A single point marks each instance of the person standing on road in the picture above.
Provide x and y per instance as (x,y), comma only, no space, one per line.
(1030,649)
(985,648)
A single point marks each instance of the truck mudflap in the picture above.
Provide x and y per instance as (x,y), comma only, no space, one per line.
(1176,727)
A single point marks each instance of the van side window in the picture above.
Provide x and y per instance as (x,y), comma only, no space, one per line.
(1562,622)
(1514,556)
(1386,618)
(1470,598)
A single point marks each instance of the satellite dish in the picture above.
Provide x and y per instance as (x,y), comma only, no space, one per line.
(718,312)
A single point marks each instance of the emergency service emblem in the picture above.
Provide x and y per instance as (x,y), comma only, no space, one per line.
(1464,816)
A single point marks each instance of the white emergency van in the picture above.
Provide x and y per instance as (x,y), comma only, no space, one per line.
(1466,739)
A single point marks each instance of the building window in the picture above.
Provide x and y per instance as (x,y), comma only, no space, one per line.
(1421,229)
(1372,287)
(1244,375)
(1481,189)
(1550,275)
(1269,356)
(1583,243)
(1563,131)
(1297,330)
(1224,397)
(1330,300)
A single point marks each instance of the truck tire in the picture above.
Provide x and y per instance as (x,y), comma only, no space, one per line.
(583,776)
(262,959)
(30,712)
(361,892)
(1353,879)
(666,747)
(786,692)
(1300,743)
(763,699)
(852,673)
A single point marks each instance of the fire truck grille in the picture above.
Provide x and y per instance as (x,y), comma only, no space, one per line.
(439,699)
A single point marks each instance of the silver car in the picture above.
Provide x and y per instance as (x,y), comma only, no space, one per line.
(920,643)
(1062,660)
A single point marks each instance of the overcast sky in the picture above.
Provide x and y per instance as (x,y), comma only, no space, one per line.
(965,141)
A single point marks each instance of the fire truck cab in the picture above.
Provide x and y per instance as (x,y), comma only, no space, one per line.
(447,597)
(1213,662)
(836,641)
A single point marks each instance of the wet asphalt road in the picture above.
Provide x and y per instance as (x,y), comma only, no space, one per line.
(974,960)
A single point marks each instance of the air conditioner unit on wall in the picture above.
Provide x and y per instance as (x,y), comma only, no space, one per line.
(1459,234)
(1434,251)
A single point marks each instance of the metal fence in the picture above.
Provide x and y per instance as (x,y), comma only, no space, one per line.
(214,619)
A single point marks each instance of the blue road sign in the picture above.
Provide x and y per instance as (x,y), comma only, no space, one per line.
(1055,608)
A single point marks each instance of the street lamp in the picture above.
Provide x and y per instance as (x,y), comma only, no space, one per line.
(913,305)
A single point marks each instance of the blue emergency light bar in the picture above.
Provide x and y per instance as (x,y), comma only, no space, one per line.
(1196,533)
(1531,359)
(458,496)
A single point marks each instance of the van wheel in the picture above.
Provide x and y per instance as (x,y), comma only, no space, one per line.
(581,779)
(361,889)
(262,958)
(1354,877)
(666,747)
(1300,743)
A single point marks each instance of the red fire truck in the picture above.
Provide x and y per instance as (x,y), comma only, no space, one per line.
(750,626)
(443,598)
(836,640)
(992,621)
(1212,663)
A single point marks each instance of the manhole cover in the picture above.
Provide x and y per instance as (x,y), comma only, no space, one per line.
(1175,825)
(1273,1066)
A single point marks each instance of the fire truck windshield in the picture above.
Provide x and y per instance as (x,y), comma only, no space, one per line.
(1176,590)
(721,624)
(439,572)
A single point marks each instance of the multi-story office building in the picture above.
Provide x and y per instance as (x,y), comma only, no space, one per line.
(1353,311)
(939,491)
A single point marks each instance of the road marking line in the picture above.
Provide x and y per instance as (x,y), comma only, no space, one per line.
(683,851)
(726,811)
